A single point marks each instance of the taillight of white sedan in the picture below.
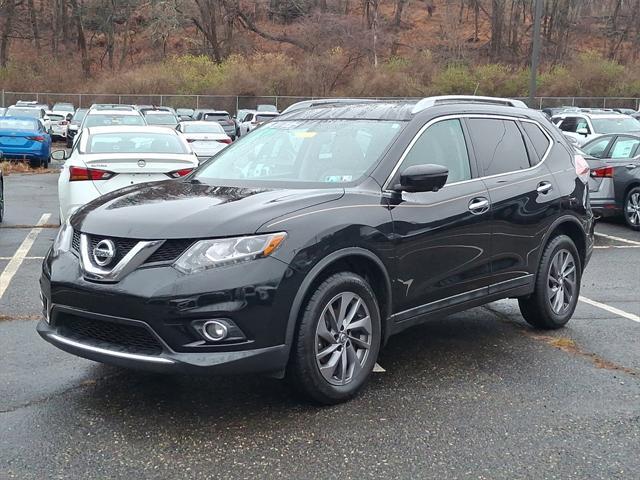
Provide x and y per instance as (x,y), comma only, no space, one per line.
(104,159)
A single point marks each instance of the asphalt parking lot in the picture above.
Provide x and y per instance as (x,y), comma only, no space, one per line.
(477,395)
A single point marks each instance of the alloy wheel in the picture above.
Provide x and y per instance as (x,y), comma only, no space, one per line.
(562,279)
(632,209)
(343,338)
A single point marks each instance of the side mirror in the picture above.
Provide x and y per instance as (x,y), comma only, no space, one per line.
(59,155)
(582,131)
(422,178)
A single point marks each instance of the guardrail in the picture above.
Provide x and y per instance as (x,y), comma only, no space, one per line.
(233,103)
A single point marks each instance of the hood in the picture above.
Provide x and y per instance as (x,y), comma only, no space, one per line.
(180,209)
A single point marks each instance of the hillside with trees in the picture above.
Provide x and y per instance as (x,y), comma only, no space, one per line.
(318,47)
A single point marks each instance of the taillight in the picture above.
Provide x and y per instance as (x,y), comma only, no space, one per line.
(582,168)
(37,138)
(63,122)
(180,173)
(78,174)
(602,172)
(225,140)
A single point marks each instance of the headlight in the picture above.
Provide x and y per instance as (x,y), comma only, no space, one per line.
(62,243)
(219,252)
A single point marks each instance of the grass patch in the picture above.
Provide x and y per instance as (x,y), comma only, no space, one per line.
(8,167)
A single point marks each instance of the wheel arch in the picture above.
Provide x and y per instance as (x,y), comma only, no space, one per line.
(570,226)
(353,259)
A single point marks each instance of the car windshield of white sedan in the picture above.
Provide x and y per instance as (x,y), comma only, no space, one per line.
(161,119)
(309,151)
(18,124)
(615,125)
(135,143)
(107,120)
(210,127)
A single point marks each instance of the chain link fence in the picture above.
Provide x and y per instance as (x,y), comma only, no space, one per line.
(233,103)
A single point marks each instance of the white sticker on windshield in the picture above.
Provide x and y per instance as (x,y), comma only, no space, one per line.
(338,178)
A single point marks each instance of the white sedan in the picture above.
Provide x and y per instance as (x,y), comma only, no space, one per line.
(206,138)
(104,159)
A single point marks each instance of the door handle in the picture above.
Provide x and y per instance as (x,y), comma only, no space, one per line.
(478,205)
(544,188)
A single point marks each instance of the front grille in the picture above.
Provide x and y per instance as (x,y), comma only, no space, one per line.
(108,335)
(169,251)
(123,246)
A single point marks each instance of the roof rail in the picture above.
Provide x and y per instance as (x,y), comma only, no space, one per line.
(432,101)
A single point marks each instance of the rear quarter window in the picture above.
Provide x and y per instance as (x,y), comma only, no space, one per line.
(538,139)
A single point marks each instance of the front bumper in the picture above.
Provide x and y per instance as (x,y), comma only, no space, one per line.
(164,307)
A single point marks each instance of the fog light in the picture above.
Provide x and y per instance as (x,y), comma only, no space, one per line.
(214,330)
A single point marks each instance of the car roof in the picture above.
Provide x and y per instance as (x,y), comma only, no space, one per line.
(130,129)
(134,113)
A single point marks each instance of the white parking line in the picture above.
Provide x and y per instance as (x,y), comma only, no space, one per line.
(18,257)
(617,239)
(610,309)
(26,258)
(604,247)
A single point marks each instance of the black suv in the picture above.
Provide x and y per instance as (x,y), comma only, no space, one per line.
(300,249)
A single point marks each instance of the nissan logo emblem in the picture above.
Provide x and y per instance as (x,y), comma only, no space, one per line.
(142,163)
(104,252)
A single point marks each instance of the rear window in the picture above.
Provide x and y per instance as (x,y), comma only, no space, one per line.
(79,115)
(56,117)
(138,142)
(538,138)
(200,128)
(23,112)
(115,119)
(498,145)
(216,117)
(264,118)
(18,124)
(161,119)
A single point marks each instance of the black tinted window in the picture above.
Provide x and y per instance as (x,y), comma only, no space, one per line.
(442,144)
(499,145)
(538,139)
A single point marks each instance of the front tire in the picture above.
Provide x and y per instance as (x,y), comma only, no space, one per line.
(337,341)
(632,209)
(557,286)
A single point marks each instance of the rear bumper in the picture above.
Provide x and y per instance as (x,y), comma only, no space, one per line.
(605,207)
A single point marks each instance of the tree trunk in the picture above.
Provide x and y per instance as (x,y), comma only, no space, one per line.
(82,42)
(34,23)
(397,20)
(5,39)
(497,27)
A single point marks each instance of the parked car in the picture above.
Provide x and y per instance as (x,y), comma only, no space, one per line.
(220,116)
(2,111)
(59,123)
(74,125)
(185,114)
(625,111)
(25,138)
(64,107)
(206,138)
(586,126)
(303,247)
(96,117)
(145,109)
(33,112)
(615,183)
(105,159)
(31,104)
(161,118)
(254,119)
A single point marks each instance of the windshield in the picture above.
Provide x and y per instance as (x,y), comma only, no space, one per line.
(64,107)
(304,151)
(56,117)
(23,112)
(161,119)
(200,128)
(18,124)
(216,117)
(615,125)
(115,119)
(138,142)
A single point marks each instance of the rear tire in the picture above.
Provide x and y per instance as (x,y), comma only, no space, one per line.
(557,286)
(337,340)
(631,209)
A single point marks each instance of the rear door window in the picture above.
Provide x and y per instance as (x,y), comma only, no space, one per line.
(498,145)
